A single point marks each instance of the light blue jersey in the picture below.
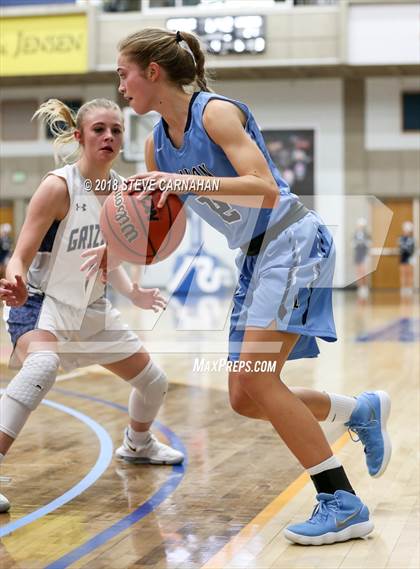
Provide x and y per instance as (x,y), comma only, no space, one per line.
(286,279)
(199,155)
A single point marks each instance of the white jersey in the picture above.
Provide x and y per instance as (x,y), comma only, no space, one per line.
(55,270)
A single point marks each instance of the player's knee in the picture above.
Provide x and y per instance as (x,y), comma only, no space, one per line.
(150,387)
(35,379)
(247,381)
(26,391)
(239,403)
(239,399)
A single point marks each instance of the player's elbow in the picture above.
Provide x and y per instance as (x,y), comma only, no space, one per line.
(271,196)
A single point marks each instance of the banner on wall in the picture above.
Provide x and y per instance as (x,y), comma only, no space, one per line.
(44,45)
(292,151)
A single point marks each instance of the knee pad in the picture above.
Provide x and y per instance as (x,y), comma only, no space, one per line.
(13,416)
(149,390)
(35,379)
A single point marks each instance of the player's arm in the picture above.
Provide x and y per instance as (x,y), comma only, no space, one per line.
(254,186)
(149,153)
(120,281)
(225,124)
(49,203)
(146,298)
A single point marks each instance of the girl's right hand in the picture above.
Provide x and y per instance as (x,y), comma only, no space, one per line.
(98,258)
(13,293)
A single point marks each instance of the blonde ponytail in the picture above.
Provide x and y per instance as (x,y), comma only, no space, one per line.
(61,121)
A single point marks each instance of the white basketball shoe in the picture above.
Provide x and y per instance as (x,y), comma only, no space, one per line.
(4,504)
(152,452)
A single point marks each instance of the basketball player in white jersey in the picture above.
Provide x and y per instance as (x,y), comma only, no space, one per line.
(286,262)
(57,317)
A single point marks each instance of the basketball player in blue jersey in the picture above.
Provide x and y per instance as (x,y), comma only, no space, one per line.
(50,304)
(285,262)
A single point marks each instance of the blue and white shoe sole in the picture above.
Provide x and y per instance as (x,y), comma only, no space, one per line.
(351,532)
(385,405)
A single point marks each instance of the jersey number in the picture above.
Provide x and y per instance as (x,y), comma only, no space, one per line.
(222,209)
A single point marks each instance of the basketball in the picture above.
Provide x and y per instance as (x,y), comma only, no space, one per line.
(139,232)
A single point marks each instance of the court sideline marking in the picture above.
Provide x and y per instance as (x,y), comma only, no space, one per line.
(102,463)
(177,475)
(227,553)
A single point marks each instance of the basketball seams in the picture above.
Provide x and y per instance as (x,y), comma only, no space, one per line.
(146,232)
(163,244)
(171,223)
(116,236)
(164,226)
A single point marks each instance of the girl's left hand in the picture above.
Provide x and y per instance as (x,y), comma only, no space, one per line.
(149,182)
(147,298)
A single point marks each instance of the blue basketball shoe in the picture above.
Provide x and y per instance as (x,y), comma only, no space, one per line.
(336,517)
(368,421)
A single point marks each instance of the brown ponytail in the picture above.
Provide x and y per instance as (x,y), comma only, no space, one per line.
(201,77)
(165,48)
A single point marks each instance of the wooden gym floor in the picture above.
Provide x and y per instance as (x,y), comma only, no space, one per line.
(74,505)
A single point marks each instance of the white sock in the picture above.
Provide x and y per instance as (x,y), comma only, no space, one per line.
(327,464)
(139,438)
(341,408)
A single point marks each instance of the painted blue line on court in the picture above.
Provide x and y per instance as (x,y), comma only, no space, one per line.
(146,508)
(400,330)
(102,463)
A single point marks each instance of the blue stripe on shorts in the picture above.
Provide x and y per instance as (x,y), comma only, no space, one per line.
(24,318)
(289,282)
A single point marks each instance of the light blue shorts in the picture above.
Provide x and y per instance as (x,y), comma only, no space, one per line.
(289,282)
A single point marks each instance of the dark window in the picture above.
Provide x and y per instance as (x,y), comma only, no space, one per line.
(122,5)
(411,111)
(315,2)
(173,3)
(162,3)
(74,105)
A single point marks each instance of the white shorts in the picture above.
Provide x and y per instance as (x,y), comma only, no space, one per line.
(96,337)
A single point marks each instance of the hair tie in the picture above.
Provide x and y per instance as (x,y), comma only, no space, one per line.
(184,45)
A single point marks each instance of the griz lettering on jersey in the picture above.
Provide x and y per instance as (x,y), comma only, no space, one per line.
(222,209)
(85,237)
(122,217)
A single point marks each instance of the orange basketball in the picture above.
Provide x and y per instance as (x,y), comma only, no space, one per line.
(136,231)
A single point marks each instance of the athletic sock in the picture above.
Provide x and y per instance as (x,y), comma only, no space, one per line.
(139,438)
(341,408)
(329,476)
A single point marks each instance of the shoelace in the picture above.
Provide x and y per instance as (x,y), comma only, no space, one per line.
(323,509)
(361,432)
